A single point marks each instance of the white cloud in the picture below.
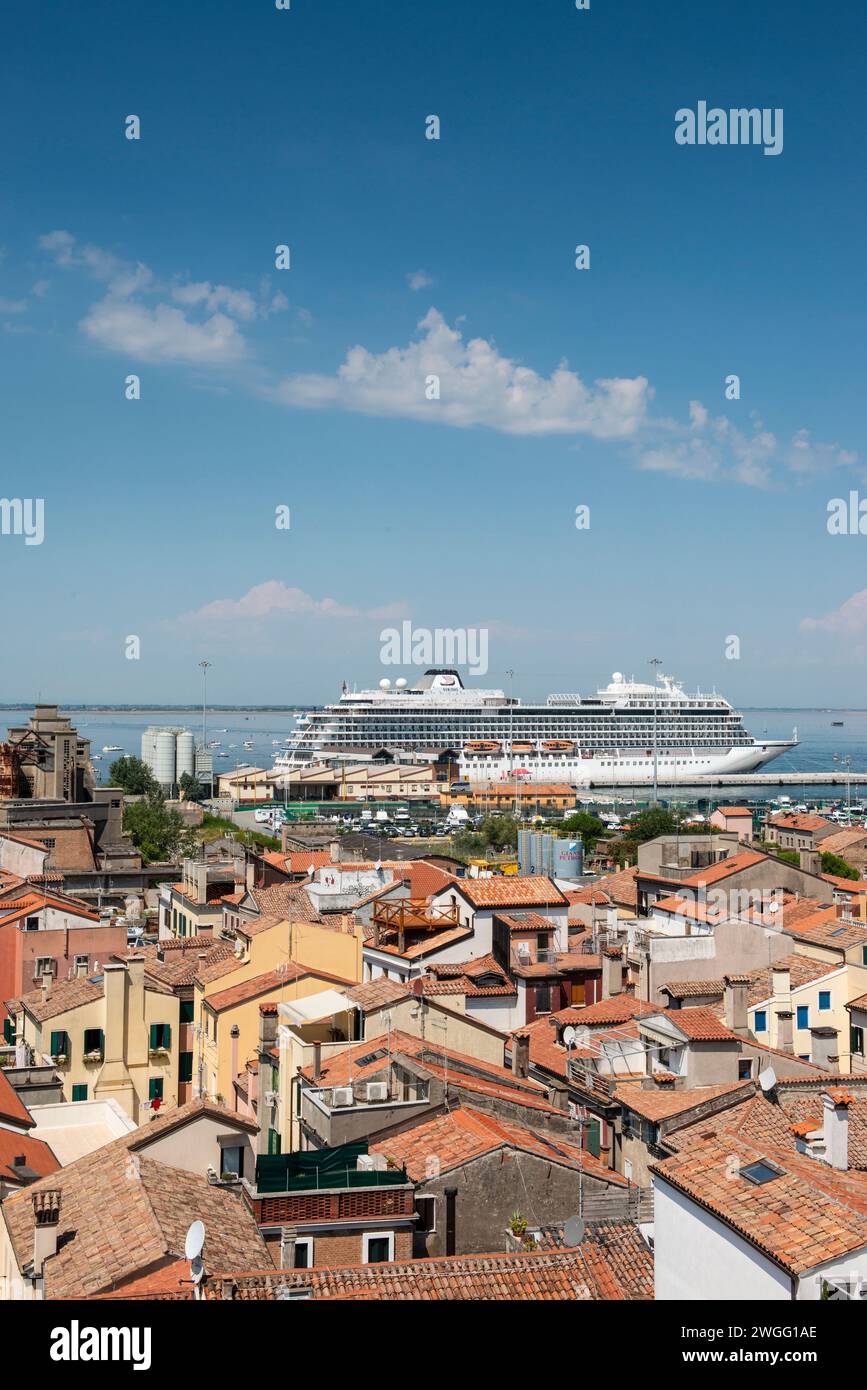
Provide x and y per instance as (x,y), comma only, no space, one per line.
(162,333)
(849,620)
(13,306)
(478,387)
(240,303)
(275,597)
(419,280)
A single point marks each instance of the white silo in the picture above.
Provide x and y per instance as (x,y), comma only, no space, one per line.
(186,754)
(149,747)
(164,767)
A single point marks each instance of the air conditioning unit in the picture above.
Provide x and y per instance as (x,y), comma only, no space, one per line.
(377,1090)
(272,1097)
(342,1095)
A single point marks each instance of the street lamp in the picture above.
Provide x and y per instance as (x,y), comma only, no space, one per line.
(204,669)
(847,763)
(655,661)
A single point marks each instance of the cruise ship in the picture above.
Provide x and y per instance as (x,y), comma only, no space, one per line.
(616,736)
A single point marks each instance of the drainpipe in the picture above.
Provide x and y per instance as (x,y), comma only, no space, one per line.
(234,1034)
(450,1196)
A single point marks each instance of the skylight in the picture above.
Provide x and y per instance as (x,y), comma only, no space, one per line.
(761,1171)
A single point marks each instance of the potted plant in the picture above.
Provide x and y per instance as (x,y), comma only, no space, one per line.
(517,1224)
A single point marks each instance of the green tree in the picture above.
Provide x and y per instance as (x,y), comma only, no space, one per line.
(133,777)
(646,825)
(834,864)
(583,823)
(191,788)
(159,834)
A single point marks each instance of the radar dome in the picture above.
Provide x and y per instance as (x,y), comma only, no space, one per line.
(385,684)
(617,678)
(400,683)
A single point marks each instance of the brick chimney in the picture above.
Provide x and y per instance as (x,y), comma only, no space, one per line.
(521,1054)
(823,1048)
(836,1128)
(736,996)
(612,972)
(46,1219)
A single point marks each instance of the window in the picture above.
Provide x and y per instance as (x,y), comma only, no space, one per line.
(232,1161)
(803,1016)
(377,1249)
(94,1042)
(188,1008)
(824,999)
(45,964)
(761,1171)
(856,1040)
(761,1021)
(273,1141)
(543,999)
(185,1066)
(155,1088)
(8,1030)
(82,961)
(31,924)
(79,1093)
(745,1069)
(302,1257)
(161,1036)
(59,1044)
(427,1214)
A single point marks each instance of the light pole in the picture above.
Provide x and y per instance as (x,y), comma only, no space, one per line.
(510,673)
(655,661)
(204,669)
(847,763)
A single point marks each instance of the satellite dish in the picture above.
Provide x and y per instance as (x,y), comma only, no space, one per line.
(197,1267)
(768,1080)
(195,1240)
(569,1036)
(573,1232)
(311,870)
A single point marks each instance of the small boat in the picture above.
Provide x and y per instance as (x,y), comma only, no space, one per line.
(836,723)
(111,748)
(483,746)
(523,747)
(97,758)
(248,743)
(557,745)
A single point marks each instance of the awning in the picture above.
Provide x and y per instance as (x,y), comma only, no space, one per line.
(316,1006)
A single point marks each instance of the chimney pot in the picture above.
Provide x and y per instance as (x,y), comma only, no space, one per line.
(317,1061)
(836,1128)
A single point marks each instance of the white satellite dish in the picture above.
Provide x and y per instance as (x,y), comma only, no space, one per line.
(573,1232)
(311,870)
(768,1079)
(194,1243)
(569,1036)
(197,1268)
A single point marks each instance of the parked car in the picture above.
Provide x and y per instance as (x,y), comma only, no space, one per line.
(262,814)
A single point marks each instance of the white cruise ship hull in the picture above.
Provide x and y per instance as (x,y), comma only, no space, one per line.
(627,769)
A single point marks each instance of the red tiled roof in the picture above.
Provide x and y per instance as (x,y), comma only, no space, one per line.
(12,1108)
(796,820)
(735,864)
(458,1136)
(656,1105)
(511,891)
(19,1151)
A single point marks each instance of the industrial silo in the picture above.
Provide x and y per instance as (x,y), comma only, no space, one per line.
(149,748)
(186,754)
(568,859)
(164,765)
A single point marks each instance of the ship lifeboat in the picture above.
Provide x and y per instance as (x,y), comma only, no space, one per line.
(523,747)
(483,746)
(558,745)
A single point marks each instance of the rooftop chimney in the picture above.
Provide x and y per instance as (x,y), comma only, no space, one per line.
(317,1061)
(836,1128)
(736,996)
(612,972)
(47,977)
(823,1048)
(521,1054)
(780,982)
(46,1218)
(785,1041)
(810,861)
(334,851)
(81,968)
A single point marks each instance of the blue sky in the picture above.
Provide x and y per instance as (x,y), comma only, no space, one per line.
(307,127)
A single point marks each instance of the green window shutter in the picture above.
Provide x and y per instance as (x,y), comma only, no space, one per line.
(154,1042)
(187,1011)
(79,1093)
(185,1067)
(594,1134)
(57,1044)
(167,1035)
(155,1088)
(8,1030)
(101,1041)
